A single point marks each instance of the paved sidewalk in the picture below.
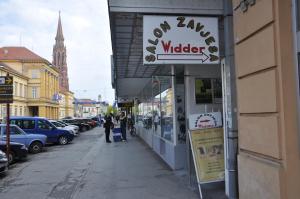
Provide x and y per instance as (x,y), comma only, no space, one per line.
(130,170)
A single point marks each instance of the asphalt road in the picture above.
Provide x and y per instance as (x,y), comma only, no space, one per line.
(90,168)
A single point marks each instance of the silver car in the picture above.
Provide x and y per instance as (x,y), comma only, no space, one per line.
(71,129)
(3,162)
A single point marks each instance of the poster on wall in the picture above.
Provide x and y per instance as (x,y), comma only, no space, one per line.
(205,120)
(203,91)
(208,153)
(180,40)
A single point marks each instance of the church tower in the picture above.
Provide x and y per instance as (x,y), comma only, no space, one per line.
(60,58)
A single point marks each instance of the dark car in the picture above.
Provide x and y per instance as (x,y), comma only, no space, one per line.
(82,126)
(17,151)
(3,162)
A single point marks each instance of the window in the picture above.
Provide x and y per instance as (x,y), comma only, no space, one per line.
(24,124)
(16,111)
(160,112)
(42,124)
(208,91)
(34,92)
(13,130)
(203,91)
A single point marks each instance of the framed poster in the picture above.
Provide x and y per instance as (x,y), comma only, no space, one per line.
(203,91)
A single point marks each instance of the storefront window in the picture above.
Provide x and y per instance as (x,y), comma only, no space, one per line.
(163,107)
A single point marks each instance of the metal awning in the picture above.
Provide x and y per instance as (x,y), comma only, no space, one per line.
(130,76)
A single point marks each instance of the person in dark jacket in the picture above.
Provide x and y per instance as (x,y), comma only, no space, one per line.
(108,124)
(123,121)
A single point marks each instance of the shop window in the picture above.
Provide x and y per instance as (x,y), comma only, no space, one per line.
(208,91)
(162,113)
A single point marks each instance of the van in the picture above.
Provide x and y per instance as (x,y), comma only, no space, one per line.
(39,125)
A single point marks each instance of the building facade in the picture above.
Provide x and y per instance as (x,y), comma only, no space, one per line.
(42,82)
(268,98)
(254,84)
(20,84)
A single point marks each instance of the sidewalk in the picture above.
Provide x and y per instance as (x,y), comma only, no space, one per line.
(130,170)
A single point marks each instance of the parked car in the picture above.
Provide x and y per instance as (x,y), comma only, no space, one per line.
(3,162)
(39,125)
(34,142)
(18,151)
(63,126)
(82,126)
(90,122)
(69,125)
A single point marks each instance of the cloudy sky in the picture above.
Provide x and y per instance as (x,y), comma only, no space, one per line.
(33,24)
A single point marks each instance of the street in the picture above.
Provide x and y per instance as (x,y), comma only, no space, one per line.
(91,168)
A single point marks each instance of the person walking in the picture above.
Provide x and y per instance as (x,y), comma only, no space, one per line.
(123,121)
(108,124)
(156,121)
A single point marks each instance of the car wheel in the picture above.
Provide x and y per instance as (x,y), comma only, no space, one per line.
(35,147)
(63,140)
(11,157)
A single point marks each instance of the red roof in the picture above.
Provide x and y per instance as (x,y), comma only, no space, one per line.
(19,53)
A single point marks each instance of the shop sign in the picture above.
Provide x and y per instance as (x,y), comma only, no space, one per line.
(180,40)
(205,120)
(208,153)
(6,89)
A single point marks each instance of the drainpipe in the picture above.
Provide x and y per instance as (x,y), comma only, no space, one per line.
(230,123)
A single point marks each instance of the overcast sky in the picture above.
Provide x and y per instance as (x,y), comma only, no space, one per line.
(33,24)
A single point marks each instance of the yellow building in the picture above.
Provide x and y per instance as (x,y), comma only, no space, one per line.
(19,107)
(42,84)
(66,106)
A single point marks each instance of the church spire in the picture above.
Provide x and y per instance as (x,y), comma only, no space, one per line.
(59,34)
(60,57)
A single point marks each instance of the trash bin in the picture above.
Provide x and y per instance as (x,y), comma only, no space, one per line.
(117,134)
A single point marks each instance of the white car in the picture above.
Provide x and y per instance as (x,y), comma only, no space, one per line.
(71,129)
(76,128)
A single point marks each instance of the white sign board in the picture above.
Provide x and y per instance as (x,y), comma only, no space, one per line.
(180,40)
(205,120)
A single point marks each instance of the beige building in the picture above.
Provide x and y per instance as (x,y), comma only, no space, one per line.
(42,81)
(66,104)
(20,84)
(267,87)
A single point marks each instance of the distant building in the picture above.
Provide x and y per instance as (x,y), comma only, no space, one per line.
(35,85)
(89,108)
(66,97)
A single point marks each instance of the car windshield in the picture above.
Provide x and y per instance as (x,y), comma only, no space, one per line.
(57,124)
(61,122)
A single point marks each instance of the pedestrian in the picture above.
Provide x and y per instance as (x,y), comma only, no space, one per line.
(117,118)
(123,121)
(99,120)
(108,124)
(156,121)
